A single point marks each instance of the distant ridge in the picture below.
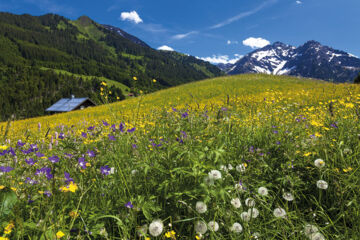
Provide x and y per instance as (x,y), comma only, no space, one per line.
(309,60)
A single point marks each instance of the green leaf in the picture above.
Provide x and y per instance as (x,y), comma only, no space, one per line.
(8,200)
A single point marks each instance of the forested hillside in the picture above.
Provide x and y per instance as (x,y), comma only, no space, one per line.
(34,51)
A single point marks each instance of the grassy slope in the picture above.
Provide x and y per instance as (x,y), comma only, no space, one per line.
(269,128)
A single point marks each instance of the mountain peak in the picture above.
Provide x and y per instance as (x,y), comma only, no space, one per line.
(85,21)
(312,43)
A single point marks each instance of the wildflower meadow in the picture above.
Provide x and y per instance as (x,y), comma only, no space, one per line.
(240,157)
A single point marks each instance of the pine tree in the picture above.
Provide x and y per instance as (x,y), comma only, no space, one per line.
(357,79)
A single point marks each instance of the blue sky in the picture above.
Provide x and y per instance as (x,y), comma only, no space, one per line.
(215,29)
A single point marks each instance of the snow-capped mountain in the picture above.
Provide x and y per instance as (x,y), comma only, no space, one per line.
(125,35)
(309,60)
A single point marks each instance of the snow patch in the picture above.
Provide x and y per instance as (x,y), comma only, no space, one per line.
(279,67)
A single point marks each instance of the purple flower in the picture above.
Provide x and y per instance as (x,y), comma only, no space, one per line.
(68,155)
(54,159)
(121,127)
(39,154)
(20,143)
(224,109)
(105,123)
(278,143)
(112,138)
(44,171)
(251,149)
(184,115)
(47,193)
(30,161)
(91,153)
(82,163)
(129,205)
(105,170)
(183,134)
(131,130)
(174,109)
(334,125)
(275,132)
(113,127)
(84,134)
(26,151)
(6,169)
(61,135)
(68,179)
(31,181)
(134,146)
(91,128)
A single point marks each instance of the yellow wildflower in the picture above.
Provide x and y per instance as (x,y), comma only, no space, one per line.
(349,105)
(72,187)
(2,187)
(135,78)
(59,234)
(307,154)
(170,234)
(3,147)
(103,83)
(74,214)
(154,80)
(4,238)
(349,169)
(14,189)
(8,228)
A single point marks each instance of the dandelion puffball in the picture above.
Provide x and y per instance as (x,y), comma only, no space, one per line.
(201,207)
(250,202)
(200,227)
(319,163)
(213,226)
(253,212)
(156,228)
(263,191)
(288,196)
(245,216)
(310,229)
(322,184)
(236,202)
(215,174)
(316,236)
(236,227)
(279,212)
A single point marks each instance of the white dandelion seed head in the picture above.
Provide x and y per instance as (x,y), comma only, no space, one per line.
(250,202)
(279,212)
(288,196)
(200,227)
(263,191)
(213,226)
(245,216)
(236,202)
(134,171)
(236,227)
(322,184)
(156,228)
(200,207)
(230,167)
(316,236)
(215,174)
(240,168)
(253,212)
(319,163)
(256,235)
(209,181)
(310,229)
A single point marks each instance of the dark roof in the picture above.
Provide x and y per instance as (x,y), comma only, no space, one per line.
(67,104)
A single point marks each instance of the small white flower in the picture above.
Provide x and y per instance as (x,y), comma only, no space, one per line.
(156,227)
(253,212)
(310,229)
(319,163)
(201,207)
(255,235)
(279,212)
(215,174)
(213,226)
(134,171)
(245,216)
(236,227)
(241,168)
(223,168)
(200,227)
(316,236)
(236,202)
(322,184)
(250,202)
(230,167)
(263,191)
(288,196)
(112,170)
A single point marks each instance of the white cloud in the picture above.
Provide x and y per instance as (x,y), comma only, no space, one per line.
(132,16)
(184,35)
(244,14)
(255,42)
(165,48)
(298,2)
(216,59)
(231,42)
